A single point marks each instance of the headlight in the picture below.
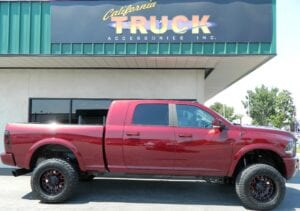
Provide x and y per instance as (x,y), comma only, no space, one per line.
(290,148)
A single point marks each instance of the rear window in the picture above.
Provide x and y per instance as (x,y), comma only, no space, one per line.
(151,114)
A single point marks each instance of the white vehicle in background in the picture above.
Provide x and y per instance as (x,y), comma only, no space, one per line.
(297,135)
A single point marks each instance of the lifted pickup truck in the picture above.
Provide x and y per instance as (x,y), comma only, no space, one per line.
(154,137)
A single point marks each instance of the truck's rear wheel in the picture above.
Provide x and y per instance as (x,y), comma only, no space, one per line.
(54,180)
(260,187)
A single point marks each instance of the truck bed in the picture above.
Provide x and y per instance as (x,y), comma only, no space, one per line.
(84,141)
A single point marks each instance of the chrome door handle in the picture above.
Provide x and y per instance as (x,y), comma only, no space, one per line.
(185,135)
(132,133)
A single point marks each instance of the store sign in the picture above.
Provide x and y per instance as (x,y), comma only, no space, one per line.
(162,21)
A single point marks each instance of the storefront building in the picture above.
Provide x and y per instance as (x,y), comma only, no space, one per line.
(65,61)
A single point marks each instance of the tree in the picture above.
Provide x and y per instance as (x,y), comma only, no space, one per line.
(270,106)
(285,110)
(224,110)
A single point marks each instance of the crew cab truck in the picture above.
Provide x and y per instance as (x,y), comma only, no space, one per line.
(154,137)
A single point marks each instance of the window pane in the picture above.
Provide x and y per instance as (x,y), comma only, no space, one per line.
(151,114)
(47,110)
(89,111)
(192,116)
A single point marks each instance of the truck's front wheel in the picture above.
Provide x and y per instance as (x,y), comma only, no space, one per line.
(260,187)
(54,180)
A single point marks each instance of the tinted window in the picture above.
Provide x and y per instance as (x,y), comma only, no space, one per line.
(69,111)
(151,114)
(192,116)
(89,111)
(46,111)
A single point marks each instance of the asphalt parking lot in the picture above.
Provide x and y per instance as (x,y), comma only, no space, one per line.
(115,194)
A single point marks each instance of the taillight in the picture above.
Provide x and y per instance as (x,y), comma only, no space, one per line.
(7,139)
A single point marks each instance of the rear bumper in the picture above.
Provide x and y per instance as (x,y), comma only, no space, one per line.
(291,166)
(8,159)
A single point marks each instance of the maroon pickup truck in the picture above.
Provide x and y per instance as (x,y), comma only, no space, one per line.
(154,137)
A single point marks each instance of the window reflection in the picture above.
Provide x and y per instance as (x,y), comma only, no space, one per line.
(192,116)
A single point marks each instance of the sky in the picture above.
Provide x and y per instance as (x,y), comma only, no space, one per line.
(283,71)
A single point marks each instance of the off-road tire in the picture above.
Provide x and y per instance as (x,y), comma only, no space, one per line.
(67,172)
(270,177)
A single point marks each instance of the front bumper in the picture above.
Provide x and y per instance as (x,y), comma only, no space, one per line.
(8,159)
(291,166)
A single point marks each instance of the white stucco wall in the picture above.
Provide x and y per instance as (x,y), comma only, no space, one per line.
(17,86)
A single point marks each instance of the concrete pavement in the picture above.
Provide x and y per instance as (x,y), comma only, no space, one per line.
(114,194)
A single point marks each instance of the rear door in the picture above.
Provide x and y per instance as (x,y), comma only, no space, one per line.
(200,149)
(148,140)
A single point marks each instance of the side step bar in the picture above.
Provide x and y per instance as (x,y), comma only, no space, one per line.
(19,172)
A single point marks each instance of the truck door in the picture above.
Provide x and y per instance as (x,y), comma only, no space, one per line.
(148,140)
(200,149)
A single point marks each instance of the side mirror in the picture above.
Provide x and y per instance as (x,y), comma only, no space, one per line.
(217,124)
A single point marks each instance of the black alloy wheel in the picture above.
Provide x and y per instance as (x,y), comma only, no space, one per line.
(262,188)
(52,182)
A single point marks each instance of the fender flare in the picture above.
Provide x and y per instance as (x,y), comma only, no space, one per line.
(54,141)
(248,148)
